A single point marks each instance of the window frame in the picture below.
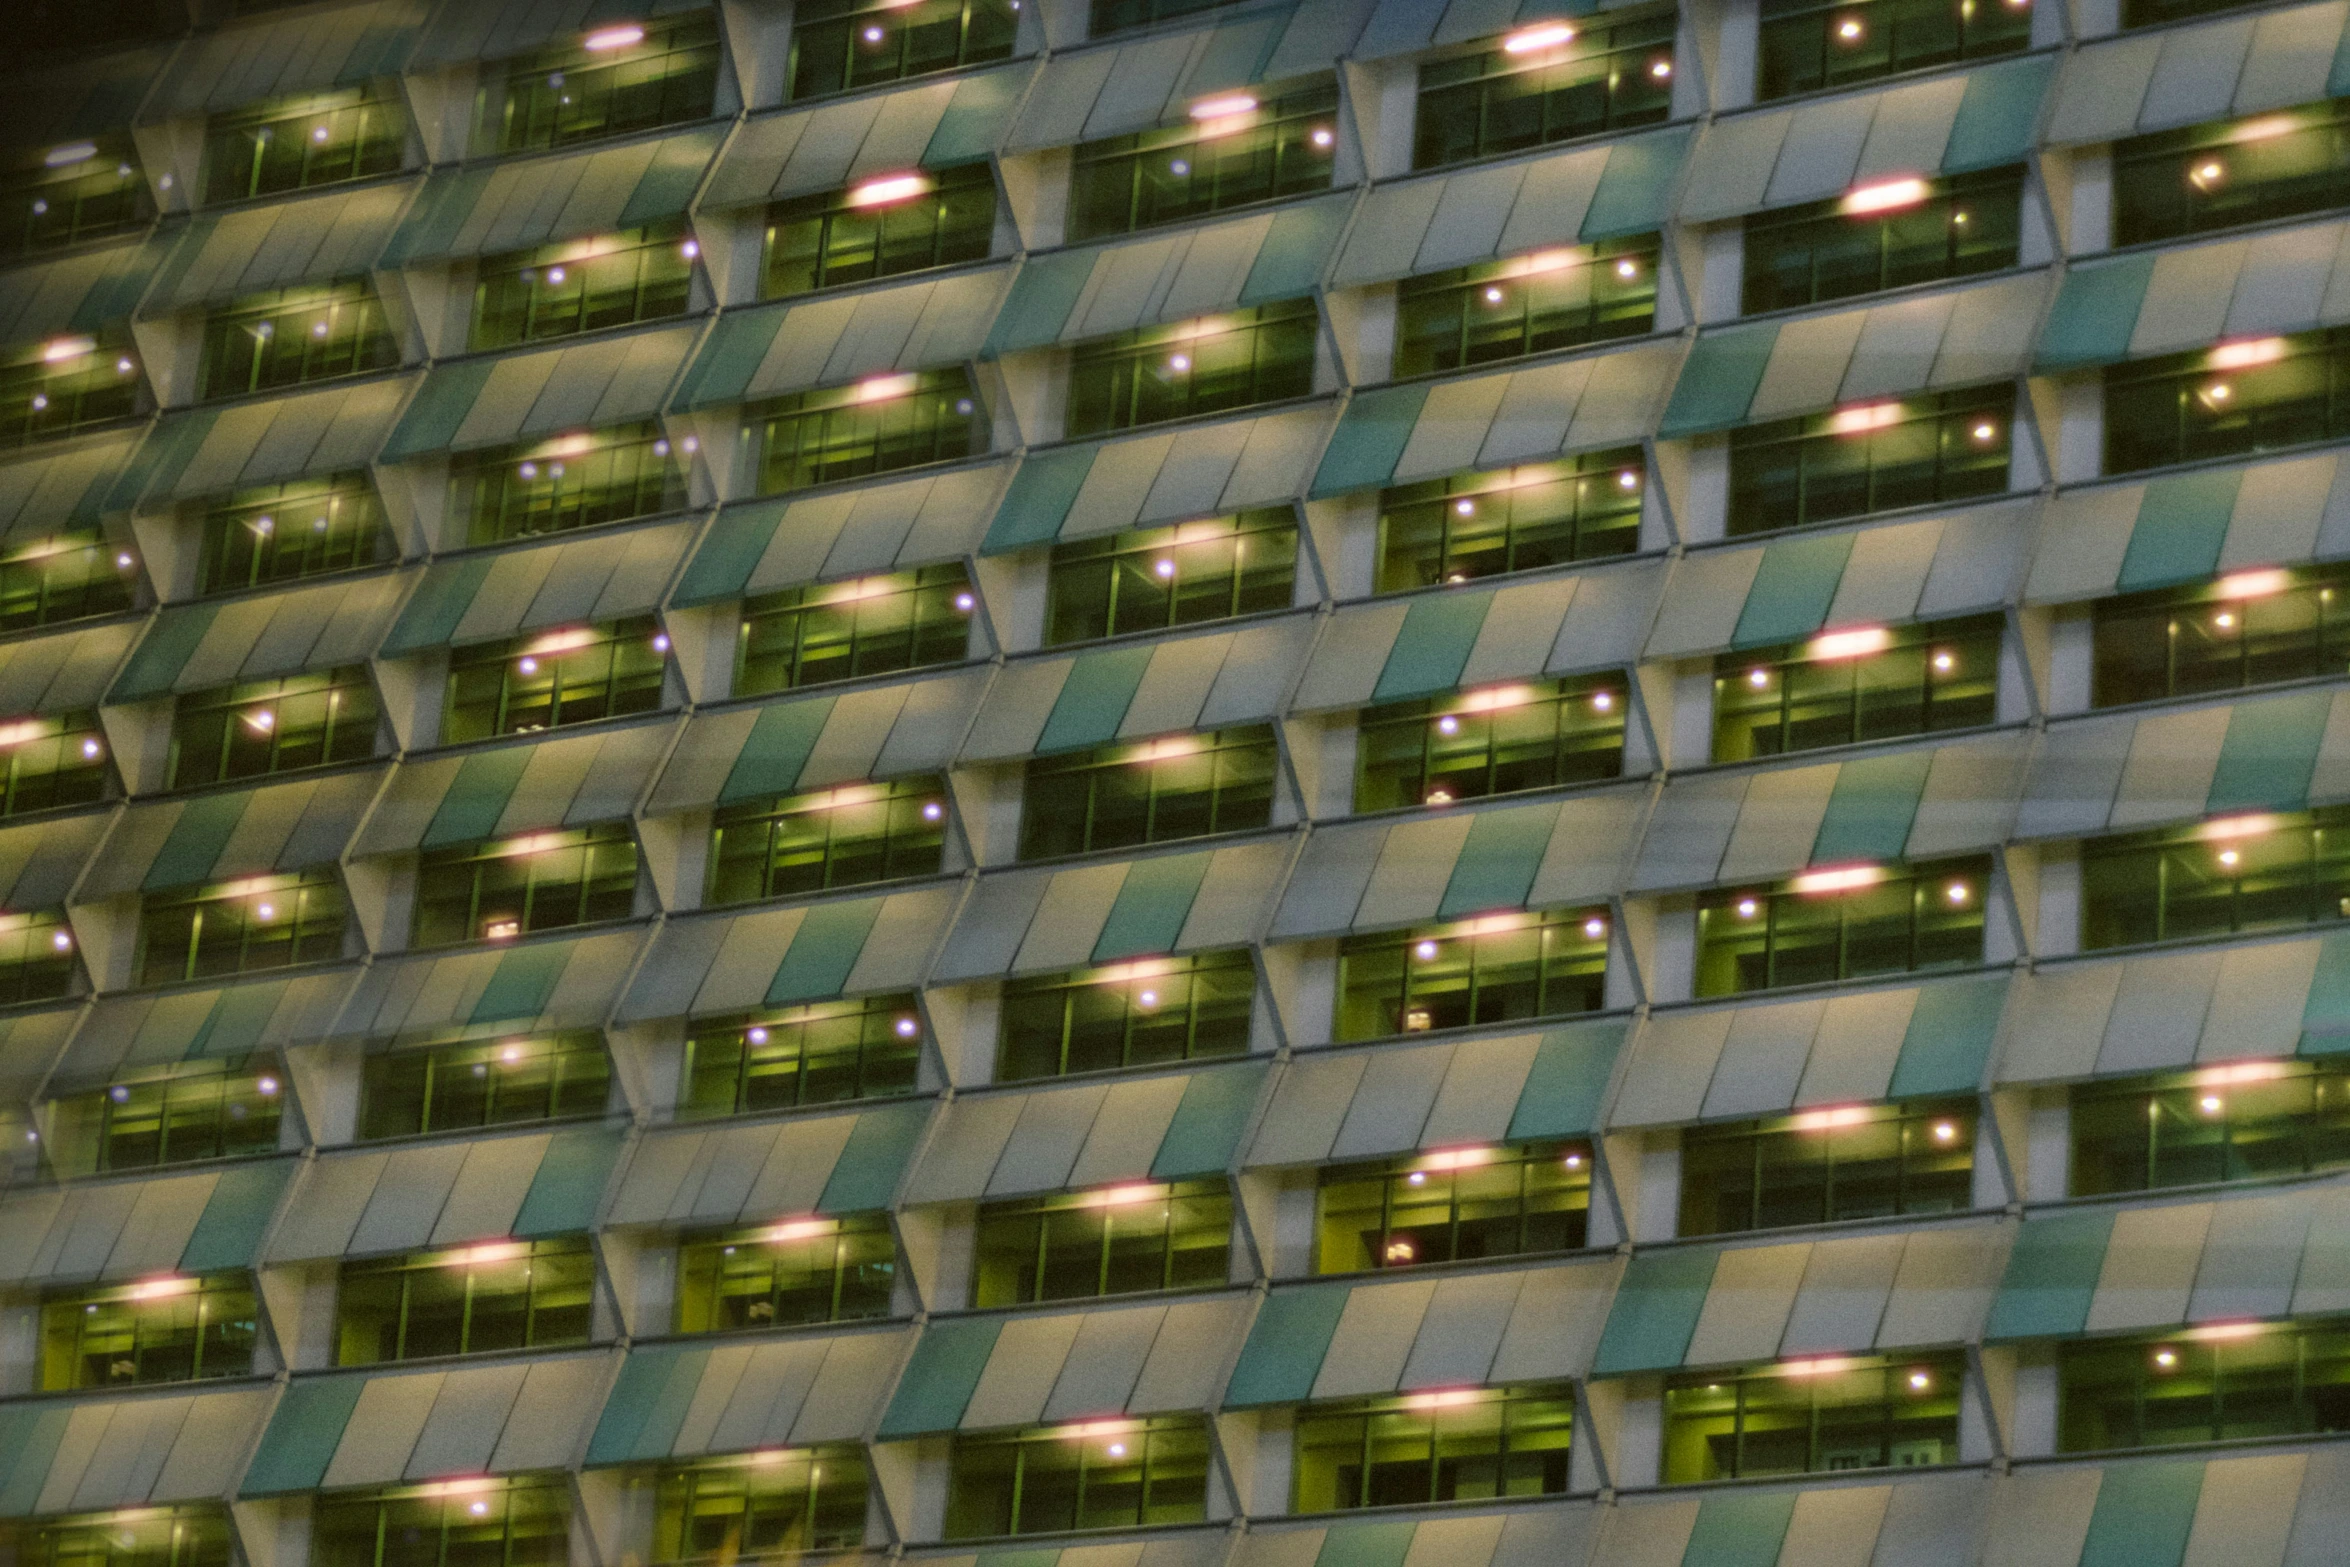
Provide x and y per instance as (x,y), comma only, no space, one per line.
(1943,1368)
(825,1473)
(2210,1098)
(890,1050)
(848,14)
(623,279)
(228,368)
(694,37)
(245,523)
(1568,65)
(1110,383)
(321,913)
(1958,199)
(914,814)
(1186,1432)
(2135,394)
(1032,1281)
(1409,1180)
(702,1272)
(1188,580)
(1506,717)
(1445,499)
(1487,295)
(1795,676)
(1567,942)
(68,1317)
(885,424)
(474,1260)
(938,597)
(2198,1355)
(1444,1424)
(1973,872)
(348,730)
(595,881)
(1228,1027)
(373,142)
(564,1055)
(2212,844)
(1812,441)
(1251,147)
(950,232)
(1081,788)
(615,669)
(1768,90)
(1835,1130)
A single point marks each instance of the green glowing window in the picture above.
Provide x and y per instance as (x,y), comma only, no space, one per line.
(52,761)
(1813,1417)
(2247,1121)
(1458,1445)
(550,680)
(882,228)
(68,384)
(2229,1382)
(1257,354)
(587,285)
(1809,45)
(767,1506)
(2231,172)
(295,336)
(476,1083)
(2240,398)
(157,1330)
(843,45)
(832,1051)
(612,81)
(1529,305)
(519,886)
(845,630)
(52,197)
(1455,1205)
(1501,968)
(1891,234)
(1149,1013)
(846,837)
(193,1536)
(1549,82)
(1158,791)
(2254,628)
(2234,874)
(467,1301)
(285,532)
(879,425)
(1233,151)
(1510,519)
(67,577)
(788,1275)
(297,143)
(273,726)
(1105,1474)
(220,1109)
(1149,579)
(1846,922)
(1868,683)
(1871,457)
(1121,1240)
(242,927)
(524,1521)
(1499,740)
(36,957)
(574,481)
(1826,1165)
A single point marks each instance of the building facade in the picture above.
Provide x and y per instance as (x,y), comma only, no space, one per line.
(1302,783)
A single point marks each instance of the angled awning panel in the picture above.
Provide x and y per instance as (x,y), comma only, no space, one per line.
(564,982)
(518,203)
(784,541)
(246,250)
(275,56)
(740,1175)
(1885,1293)
(1201,470)
(35,861)
(203,451)
(280,827)
(2118,87)
(50,491)
(486,402)
(495,792)
(2135,305)
(191,647)
(463,34)
(93,95)
(2119,538)
(1013,1144)
(1133,1360)
(767,351)
(1111,88)
(781,956)
(683,1400)
(128,1031)
(592,576)
(798,152)
(56,673)
(63,1457)
(77,293)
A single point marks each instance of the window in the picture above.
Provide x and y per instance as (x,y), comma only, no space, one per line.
(1457,1205)
(196,1536)
(66,385)
(70,576)
(1113,16)
(842,45)
(2229,401)
(833,1051)
(1500,740)
(1812,1417)
(272,726)
(847,837)
(615,81)
(1149,1013)
(882,228)
(1502,968)
(2252,629)
(520,1522)
(1826,1165)
(1257,152)
(2216,878)
(49,762)
(36,957)
(1847,923)
(786,1275)
(1253,355)
(527,296)
(72,194)
(1149,579)
(1848,687)
(577,481)
(521,886)
(2247,1121)
(157,1330)
(1123,796)
(769,1507)
(1123,1240)
(1460,1445)
(294,336)
(1808,45)
(296,143)
(877,426)
(469,1301)
(1511,519)
(1105,1474)
(2226,1383)
(285,532)
(1592,78)
(1792,473)
(1531,305)
(846,630)
(501,1082)
(241,927)
(550,680)
(2153,13)
(218,1109)
(1885,236)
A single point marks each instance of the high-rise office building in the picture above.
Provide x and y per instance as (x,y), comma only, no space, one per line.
(1157,783)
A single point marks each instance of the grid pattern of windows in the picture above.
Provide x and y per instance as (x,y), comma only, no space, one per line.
(1115,1474)
(1811,45)
(882,228)
(846,630)
(2232,172)
(578,481)
(2253,1120)
(1459,1446)
(1150,1013)
(1586,79)
(1827,1165)
(1456,1205)
(49,762)
(273,726)
(718,1514)
(66,386)
(554,679)
(789,1275)
(292,337)
(2233,874)
(846,837)
(174,1329)
(614,82)
(588,285)
(1513,519)
(72,576)
(843,45)
(1952,228)
(1792,473)
(522,1522)
(521,886)
(1811,1417)
(876,426)
(36,957)
(2255,629)
(70,195)
(195,1536)
(1123,796)
(1257,354)
(1148,579)
(2247,397)
(285,532)
(298,143)
(1501,968)
(1121,1240)
(264,922)
(499,1082)
(1848,923)
(1261,152)
(867,1048)
(1855,686)
(1442,750)
(2224,1383)
(202,1110)
(471,1301)
(1530,305)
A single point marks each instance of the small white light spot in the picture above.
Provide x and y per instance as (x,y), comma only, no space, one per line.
(689,250)
(529,666)
(908,1028)
(661,643)
(1594,928)
(757,1036)
(1448,725)
(1164,568)
(266,1085)
(1320,137)
(1627,269)
(1179,362)
(267,911)
(933,811)
(873,35)
(1149,998)
(1603,701)
(1425,951)
(1179,168)
(1746,908)
(964,602)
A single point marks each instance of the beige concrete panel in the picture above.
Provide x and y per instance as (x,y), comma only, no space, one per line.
(1745,1312)
(1374,1338)
(2150,1266)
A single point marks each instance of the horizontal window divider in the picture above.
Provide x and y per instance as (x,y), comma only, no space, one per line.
(2172,1196)
(1811,1480)
(1851,751)
(734,1120)
(1882,296)
(1088,1304)
(1908,980)
(1556,356)
(1449,1036)
(1867,520)
(1492,802)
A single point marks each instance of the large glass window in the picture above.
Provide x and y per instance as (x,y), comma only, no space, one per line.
(1499,740)
(846,837)
(49,762)
(2231,172)
(842,45)
(1847,687)
(173,1329)
(882,228)
(1459,1445)
(1511,519)
(1530,305)
(586,285)
(273,726)
(521,886)
(2237,873)
(832,1051)
(1502,968)
(296,143)
(1820,1166)
(2230,401)
(1808,45)
(1872,457)
(36,957)
(1243,152)
(2226,1383)
(65,385)
(1847,923)
(1547,83)
(1105,1474)
(1148,1013)
(221,1109)
(2248,1121)
(2251,629)
(520,1522)
(476,1083)
(877,426)
(1813,1417)
(614,80)
(767,1506)
(241,927)
(553,679)
(1257,354)
(1148,579)
(468,1301)
(68,577)
(845,630)
(52,197)
(575,481)
(1455,1205)
(1122,1240)
(1157,791)
(294,336)
(1889,235)
(195,1536)
(285,532)
(788,1275)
